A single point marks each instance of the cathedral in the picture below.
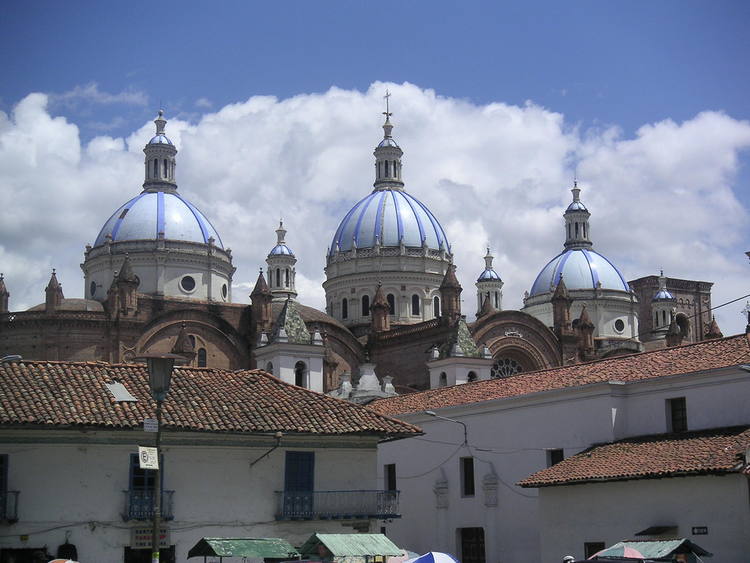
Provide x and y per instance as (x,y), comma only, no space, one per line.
(158,278)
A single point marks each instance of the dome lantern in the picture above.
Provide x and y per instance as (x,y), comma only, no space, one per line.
(160,160)
(489,286)
(577,222)
(388,156)
(281,270)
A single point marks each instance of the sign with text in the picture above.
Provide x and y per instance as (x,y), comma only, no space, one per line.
(150,425)
(140,537)
(700,530)
(148,457)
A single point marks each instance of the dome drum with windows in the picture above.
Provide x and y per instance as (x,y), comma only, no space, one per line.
(173,248)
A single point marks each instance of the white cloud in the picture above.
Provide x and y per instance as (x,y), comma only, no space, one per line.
(91,93)
(204,103)
(493,173)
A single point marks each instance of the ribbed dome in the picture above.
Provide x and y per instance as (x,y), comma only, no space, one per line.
(389,216)
(582,269)
(662,295)
(487,275)
(281,250)
(576,206)
(151,213)
(160,140)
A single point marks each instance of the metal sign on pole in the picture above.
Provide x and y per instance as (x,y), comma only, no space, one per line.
(148,457)
(150,425)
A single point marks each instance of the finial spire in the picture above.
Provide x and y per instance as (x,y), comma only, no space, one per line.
(280,233)
(160,123)
(387,126)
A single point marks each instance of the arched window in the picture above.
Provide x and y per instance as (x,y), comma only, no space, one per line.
(472,376)
(156,168)
(269,367)
(166,169)
(584,230)
(278,277)
(286,278)
(497,300)
(443,380)
(664,318)
(415,304)
(576,230)
(365,305)
(436,307)
(201,357)
(300,374)
(656,319)
(387,169)
(344,308)
(568,230)
(391,304)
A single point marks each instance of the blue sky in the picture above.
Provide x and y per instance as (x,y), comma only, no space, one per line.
(650,98)
(597,62)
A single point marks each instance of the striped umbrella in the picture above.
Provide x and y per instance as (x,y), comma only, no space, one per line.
(619,550)
(434,557)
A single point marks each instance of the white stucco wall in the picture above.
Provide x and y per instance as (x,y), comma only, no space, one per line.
(512,436)
(615,511)
(77,488)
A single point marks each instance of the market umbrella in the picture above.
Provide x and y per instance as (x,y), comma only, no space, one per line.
(63,561)
(619,550)
(434,557)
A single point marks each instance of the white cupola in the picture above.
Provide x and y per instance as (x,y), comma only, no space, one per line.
(281,271)
(489,285)
(577,232)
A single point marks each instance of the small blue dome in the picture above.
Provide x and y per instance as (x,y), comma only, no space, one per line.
(662,295)
(576,206)
(160,140)
(389,217)
(581,268)
(281,249)
(488,275)
(148,214)
(388,142)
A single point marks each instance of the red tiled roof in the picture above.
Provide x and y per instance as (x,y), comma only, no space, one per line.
(70,394)
(711,354)
(709,451)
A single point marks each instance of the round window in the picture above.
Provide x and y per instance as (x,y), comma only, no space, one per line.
(505,367)
(619,325)
(92,288)
(187,283)
(224,291)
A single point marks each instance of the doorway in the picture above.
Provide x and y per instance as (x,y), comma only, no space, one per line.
(166,555)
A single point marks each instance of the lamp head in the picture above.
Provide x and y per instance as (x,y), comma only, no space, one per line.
(160,368)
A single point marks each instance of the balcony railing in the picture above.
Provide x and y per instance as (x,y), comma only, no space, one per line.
(325,505)
(9,506)
(139,505)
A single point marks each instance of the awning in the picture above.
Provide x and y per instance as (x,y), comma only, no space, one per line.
(266,548)
(656,549)
(350,545)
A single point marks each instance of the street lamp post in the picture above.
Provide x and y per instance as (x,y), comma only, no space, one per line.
(159,377)
(466,434)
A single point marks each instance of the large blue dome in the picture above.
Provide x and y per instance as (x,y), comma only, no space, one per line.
(151,213)
(390,217)
(581,268)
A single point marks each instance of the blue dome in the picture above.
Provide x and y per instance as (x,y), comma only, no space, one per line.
(488,275)
(662,294)
(281,249)
(581,268)
(160,140)
(576,206)
(388,142)
(148,214)
(390,217)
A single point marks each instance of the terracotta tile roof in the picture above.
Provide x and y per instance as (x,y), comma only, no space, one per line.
(711,354)
(709,451)
(73,394)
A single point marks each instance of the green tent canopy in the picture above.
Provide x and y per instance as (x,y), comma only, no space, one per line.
(349,545)
(266,548)
(654,549)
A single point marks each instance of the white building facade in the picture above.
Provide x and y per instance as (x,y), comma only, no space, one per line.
(461,496)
